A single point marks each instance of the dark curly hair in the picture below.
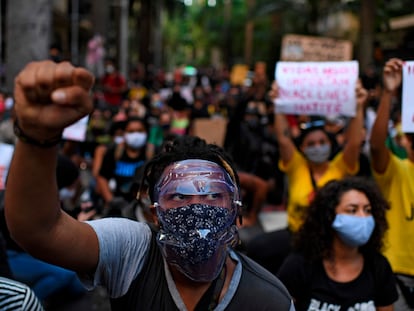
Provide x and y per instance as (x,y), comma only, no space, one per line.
(315,237)
(184,148)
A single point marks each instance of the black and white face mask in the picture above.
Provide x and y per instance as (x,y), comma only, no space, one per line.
(195,238)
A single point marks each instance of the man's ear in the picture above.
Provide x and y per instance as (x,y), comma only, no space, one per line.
(154,214)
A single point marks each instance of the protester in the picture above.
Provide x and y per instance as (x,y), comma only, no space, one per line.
(307,168)
(120,163)
(337,264)
(395,178)
(190,180)
(114,85)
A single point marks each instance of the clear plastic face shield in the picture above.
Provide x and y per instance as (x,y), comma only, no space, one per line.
(197,203)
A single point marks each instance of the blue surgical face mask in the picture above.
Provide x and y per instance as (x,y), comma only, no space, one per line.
(194,239)
(354,230)
(318,153)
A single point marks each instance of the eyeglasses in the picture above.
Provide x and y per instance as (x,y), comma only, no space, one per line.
(308,125)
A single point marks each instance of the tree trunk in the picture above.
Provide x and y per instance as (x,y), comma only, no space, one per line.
(248,48)
(28,34)
(100,16)
(366,39)
(144,30)
(227,42)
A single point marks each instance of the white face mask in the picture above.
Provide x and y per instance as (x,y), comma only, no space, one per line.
(119,139)
(109,69)
(135,140)
(318,154)
(66,194)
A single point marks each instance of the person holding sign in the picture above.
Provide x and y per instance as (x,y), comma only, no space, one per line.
(308,168)
(395,178)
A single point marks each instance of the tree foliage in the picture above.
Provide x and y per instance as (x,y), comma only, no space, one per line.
(200,27)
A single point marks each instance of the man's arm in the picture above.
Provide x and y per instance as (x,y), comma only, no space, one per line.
(392,78)
(48,98)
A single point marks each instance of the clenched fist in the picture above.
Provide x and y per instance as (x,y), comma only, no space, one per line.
(49,97)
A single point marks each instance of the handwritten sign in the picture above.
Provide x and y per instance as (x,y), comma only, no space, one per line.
(76,131)
(308,48)
(6,153)
(407,104)
(316,88)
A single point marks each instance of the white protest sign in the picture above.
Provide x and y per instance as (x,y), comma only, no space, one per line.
(316,88)
(76,131)
(407,105)
(6,153)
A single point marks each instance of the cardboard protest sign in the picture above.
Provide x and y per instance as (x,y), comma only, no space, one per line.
(76,131)
(238,74)
(212,130)
(407,105)
(308,48)
(316,88)
(6,153)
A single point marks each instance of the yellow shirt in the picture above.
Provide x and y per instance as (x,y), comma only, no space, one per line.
(300,188)
(397,186)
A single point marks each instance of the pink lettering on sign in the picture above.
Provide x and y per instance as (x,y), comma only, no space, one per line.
(318,108)
(410,69)
(320,95)
(2,173)
(301,70)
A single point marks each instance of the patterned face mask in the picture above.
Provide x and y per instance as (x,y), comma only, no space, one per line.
(194,238)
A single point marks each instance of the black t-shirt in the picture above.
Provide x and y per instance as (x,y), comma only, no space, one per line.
(312,289)
(121,169)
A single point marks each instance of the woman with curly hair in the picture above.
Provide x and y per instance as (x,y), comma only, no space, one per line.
(337,264)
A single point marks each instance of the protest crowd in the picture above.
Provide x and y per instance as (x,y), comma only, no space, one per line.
(332,153)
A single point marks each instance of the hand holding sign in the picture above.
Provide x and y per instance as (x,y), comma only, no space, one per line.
(392,74)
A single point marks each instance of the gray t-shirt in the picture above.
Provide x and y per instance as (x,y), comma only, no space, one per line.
(123,247)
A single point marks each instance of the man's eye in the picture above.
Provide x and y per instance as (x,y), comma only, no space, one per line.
(177,197)
(213,196)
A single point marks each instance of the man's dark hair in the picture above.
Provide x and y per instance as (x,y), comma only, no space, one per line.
(184,148)
(314,239)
